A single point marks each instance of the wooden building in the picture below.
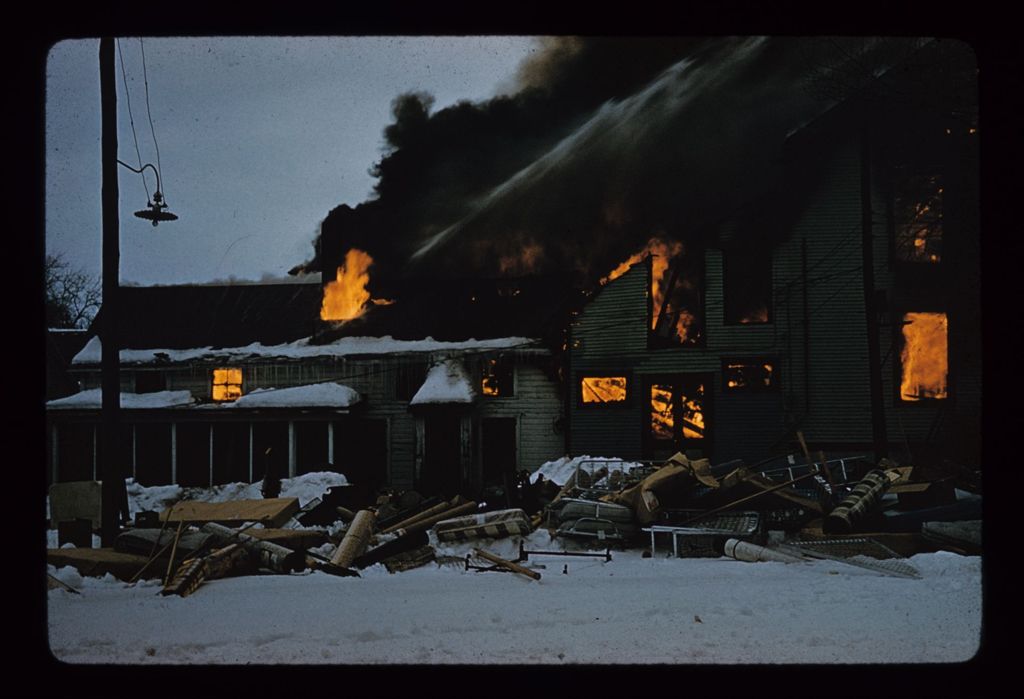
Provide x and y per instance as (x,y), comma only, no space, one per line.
(845,305)
(222,383)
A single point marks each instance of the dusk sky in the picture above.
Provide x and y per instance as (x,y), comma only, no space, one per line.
(259,138)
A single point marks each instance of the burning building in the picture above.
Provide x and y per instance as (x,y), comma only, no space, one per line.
(857,325)
(696,255)
(223,384)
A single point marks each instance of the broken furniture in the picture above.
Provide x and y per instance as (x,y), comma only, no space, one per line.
(493,525)
(701,539)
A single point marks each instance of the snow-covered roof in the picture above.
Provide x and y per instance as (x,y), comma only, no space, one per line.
(300,349)
(446,382)
(93,398)
(319,395)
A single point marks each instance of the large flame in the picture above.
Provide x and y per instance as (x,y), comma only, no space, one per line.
(661,253)
(925,356)
(347,298)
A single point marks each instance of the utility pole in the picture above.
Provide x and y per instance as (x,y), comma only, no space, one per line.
(111,472)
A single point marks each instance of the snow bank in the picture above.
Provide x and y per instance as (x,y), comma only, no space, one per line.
(328,395)
(93,398)
(629,610)
(446,382)
(300,349)
(561,470)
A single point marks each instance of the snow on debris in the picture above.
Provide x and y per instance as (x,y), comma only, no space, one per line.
(300,349)
(93,398)
(561,470)
(157,498)
(446,382)
(328,395)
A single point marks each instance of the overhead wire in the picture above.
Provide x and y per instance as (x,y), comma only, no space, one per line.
(149,113)
(131,120)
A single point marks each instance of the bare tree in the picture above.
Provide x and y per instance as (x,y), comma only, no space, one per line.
(72,296)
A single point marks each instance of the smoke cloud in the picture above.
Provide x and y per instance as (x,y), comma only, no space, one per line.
(607,143)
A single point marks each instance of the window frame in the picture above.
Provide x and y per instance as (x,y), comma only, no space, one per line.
(503,364)
(214,383)
(776,384)
(627,401)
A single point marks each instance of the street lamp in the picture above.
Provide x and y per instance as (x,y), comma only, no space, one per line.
(155,212)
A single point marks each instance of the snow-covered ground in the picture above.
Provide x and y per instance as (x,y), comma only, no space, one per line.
(630,610)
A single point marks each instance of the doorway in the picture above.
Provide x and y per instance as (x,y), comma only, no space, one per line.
(441,473)
(677,418)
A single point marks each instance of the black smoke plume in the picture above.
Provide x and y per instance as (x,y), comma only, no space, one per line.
(608,142)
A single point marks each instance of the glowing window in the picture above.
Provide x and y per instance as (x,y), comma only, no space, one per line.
(497,378)
(925,357)
(749,374)
(677,411)
(227,384)
(603,389)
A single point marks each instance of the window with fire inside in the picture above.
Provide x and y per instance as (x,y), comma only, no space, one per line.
(226,384)
(599,390)
(924,357)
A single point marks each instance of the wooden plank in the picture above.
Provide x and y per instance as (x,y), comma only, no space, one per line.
(271,512)
(99,562)
(507,564)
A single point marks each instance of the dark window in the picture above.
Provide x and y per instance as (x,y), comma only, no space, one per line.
(409,377)
(231,453)
(153,453)
(269,449)
(310,447)
(747,286)
(150,381)
(749,374)
(917,213)
(603,390)
(361,450)
(498,378)
(192,455)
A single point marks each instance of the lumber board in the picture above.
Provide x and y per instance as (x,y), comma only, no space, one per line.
(99,562)
(271,512)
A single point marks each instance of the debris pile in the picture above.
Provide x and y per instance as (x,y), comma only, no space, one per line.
(849,510)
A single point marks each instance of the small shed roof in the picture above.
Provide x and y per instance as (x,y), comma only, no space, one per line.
(446,382)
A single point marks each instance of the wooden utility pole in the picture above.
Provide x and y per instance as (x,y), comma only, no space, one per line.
(111,473)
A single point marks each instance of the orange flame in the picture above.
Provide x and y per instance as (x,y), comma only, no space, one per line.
(662,253)
(347,298)
(925,357)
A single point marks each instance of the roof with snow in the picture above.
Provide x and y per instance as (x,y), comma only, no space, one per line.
(321,395)
(300,349)
(93,398)
(446,382)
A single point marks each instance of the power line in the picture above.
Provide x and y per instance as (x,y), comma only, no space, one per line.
(145,79)
(131,120)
